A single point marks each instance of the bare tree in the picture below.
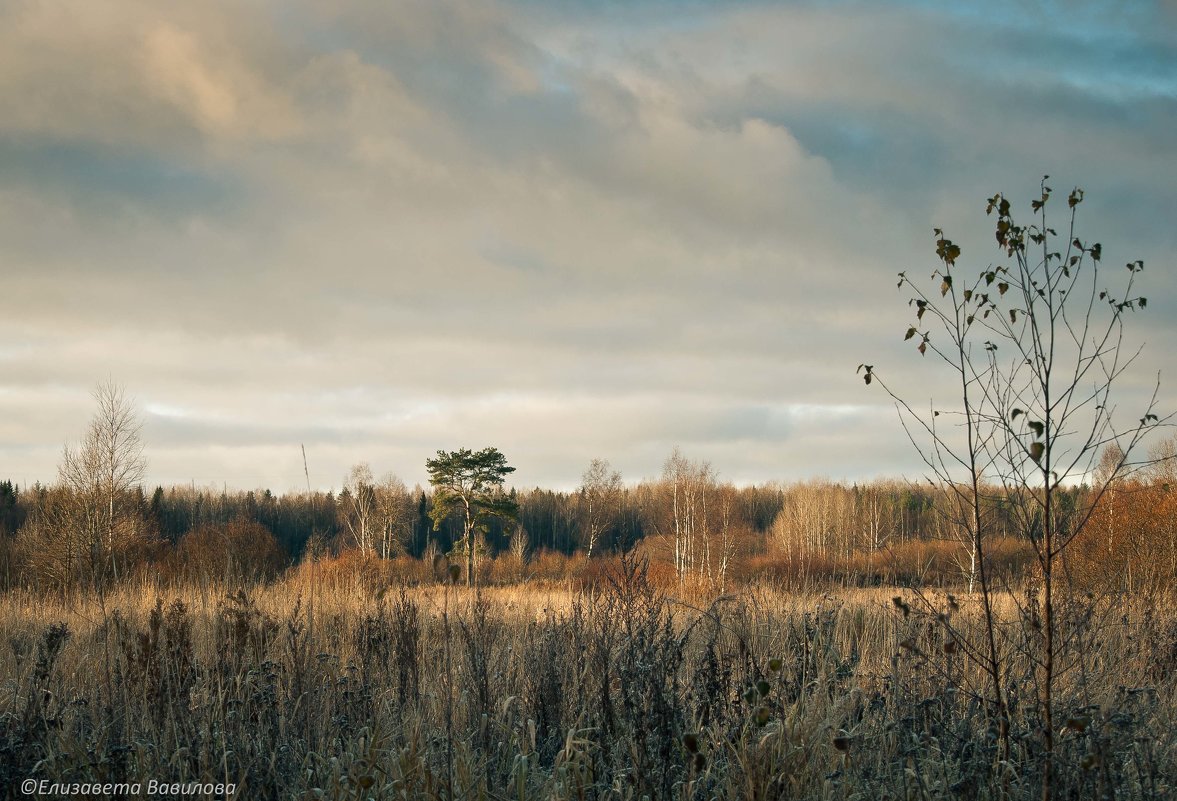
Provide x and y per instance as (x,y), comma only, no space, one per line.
(519,544)
(816,518)
(727,499)
(102,474)
(1164,476)
(51,543)
(358,507)
(599,501)
(685,506)
(875,514)
(394,516)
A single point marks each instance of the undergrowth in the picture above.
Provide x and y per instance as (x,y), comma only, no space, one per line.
(622,692)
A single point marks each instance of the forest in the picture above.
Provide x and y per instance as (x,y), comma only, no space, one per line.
(885,531)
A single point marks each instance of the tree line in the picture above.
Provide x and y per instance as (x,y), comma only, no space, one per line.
(83,534)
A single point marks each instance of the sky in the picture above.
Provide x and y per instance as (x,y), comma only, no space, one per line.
(568,230)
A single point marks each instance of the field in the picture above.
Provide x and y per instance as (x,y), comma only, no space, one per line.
(303,689)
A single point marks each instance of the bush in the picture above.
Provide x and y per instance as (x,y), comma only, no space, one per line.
(239,552)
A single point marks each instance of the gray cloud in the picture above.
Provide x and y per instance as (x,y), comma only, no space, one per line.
(379,229)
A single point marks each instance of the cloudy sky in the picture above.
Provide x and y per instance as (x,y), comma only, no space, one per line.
(565,229)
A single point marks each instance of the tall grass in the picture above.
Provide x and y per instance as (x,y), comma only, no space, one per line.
(616,691)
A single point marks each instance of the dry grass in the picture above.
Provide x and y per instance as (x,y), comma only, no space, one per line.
(544,692)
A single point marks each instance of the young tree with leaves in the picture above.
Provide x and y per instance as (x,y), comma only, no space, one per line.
(470,484)
(1035,347)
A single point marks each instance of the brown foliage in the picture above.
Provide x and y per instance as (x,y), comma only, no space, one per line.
(907,564)
(241,550)
(1130,543)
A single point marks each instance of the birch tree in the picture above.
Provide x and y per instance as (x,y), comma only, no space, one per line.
(599,500)
(102,473)
(358,508)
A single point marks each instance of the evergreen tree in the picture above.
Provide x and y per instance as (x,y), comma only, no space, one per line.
(470,484)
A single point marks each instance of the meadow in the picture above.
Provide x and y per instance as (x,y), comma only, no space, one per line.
(623,689)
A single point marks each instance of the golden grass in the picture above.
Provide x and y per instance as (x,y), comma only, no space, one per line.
(540,691)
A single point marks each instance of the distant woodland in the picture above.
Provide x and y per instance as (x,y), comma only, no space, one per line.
(693,528)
